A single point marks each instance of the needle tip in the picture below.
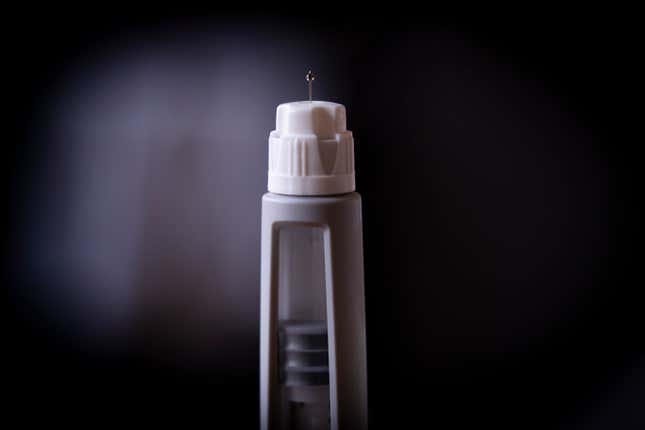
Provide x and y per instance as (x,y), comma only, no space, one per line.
(310,77)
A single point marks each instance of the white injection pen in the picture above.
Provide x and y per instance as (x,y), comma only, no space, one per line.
(313,372)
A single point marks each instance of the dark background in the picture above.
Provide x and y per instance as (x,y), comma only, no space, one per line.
(491,157)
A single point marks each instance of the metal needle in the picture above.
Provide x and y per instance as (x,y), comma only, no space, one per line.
(310,78)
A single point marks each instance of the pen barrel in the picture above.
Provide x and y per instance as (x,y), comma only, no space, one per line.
(313,371)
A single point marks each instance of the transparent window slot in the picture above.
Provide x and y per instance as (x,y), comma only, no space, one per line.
(302,338)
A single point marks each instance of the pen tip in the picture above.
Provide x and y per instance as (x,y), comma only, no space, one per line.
(310,77)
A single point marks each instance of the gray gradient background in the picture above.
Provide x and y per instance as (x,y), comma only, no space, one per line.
(486,178)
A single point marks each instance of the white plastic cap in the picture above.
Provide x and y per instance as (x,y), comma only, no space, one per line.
(311,152)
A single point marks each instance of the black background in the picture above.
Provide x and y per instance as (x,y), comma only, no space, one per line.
(493,210)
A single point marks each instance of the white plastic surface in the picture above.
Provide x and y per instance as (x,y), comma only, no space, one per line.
(311,152)
(338,219)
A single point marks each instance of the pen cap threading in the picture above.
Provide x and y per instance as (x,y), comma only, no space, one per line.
(311,152)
